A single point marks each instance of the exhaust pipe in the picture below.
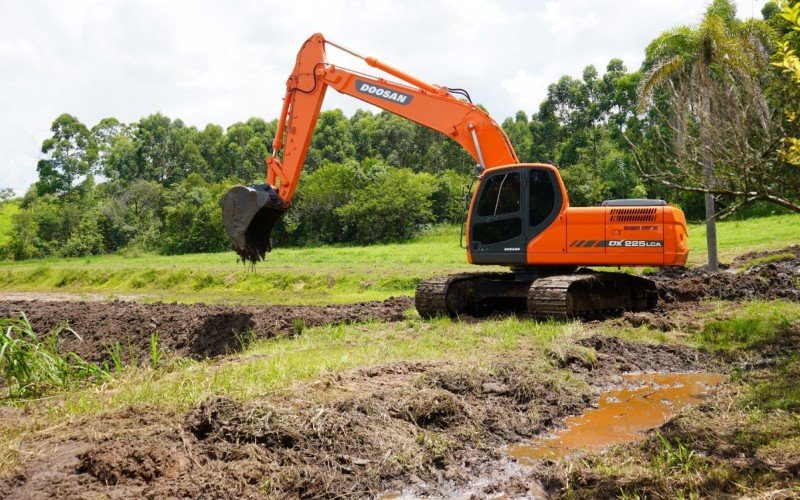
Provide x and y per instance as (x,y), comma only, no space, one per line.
(249,213)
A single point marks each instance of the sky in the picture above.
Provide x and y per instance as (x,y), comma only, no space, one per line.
(208,61)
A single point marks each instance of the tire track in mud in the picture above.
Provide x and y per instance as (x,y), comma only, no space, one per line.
(193,330)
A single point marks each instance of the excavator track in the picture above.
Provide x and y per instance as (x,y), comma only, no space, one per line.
(590,294)
(459,293)
(585,294)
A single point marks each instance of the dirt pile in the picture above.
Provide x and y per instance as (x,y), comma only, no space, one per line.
(427,428)
(756,275)
(195,330)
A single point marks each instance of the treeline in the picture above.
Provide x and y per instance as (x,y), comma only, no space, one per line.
(719,95)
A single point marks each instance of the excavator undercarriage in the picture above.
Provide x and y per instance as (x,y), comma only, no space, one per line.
(582,294)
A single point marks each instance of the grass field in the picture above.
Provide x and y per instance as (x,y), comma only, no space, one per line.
(7,210)
(320,275)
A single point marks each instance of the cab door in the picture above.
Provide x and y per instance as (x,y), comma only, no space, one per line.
(545,202)
(497,231)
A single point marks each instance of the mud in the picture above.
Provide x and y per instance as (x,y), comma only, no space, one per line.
(420,428)
(196,330)
(745,279)
(645,401)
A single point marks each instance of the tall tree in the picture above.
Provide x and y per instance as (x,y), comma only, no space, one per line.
(70,153)
(709,71)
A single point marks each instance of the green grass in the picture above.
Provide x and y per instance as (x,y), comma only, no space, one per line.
(7,210)
(31,365)
(740,236)
(750,326)
(273,365)
(320,275)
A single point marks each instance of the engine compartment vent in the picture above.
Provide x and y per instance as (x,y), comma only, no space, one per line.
(633,214)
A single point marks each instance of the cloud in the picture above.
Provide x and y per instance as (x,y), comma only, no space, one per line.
(208,61)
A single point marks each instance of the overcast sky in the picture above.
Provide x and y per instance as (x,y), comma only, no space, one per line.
(222,62)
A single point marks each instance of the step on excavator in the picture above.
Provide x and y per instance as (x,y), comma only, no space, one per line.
(518,214)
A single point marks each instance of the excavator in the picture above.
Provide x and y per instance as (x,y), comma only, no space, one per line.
(518,214)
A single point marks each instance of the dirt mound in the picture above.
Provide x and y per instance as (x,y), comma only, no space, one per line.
(126,462)
(195,330)
(757,275)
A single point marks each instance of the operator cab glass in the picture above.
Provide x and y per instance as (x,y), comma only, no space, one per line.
(513,206)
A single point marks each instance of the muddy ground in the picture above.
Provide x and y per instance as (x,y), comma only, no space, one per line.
(421,428)
(200,330)
(744,279)
(196,330)
(416,427)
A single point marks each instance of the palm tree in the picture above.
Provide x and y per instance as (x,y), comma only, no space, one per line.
(695,61)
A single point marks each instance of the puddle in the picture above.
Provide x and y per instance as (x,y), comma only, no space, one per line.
(647,401)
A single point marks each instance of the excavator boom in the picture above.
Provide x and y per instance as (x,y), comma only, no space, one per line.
(251,212)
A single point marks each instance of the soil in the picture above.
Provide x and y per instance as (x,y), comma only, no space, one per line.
(421,428)
(772,280)
(196,330)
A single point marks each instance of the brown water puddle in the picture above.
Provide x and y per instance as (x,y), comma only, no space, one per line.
(647,401)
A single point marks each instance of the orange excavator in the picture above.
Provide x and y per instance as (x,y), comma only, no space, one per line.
(519,216)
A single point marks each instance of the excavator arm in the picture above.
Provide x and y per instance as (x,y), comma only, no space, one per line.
(250,213)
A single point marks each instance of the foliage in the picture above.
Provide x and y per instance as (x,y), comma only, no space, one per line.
(788,60)
(392,207)
(31,366)
(193,218)
(713,120)
(162,180)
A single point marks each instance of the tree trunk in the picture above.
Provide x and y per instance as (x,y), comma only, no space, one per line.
(708,181)
(711,221)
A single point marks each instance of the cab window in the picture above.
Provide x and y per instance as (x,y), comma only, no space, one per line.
(500,195)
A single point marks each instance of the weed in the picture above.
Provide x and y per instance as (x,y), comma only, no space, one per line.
(434,445)
(155,351)
(115,353)
(678,457)
(299,325)
(32,366)
(748,332)
(627,494)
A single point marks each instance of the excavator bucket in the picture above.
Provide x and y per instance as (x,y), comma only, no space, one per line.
(249,213)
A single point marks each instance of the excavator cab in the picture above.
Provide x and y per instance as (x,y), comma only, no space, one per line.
(512,206)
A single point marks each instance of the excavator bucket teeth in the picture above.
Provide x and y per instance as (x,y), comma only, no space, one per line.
(249,213)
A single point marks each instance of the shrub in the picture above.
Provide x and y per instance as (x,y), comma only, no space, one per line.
(391,208)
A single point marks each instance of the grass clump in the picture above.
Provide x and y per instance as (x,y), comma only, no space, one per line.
(32,366)
(768,259)
(744,332)
(677,456)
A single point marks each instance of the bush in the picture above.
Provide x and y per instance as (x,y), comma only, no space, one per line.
(193,218)
(391,208)
(86,239)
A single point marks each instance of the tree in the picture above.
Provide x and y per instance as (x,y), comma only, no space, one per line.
(6,194)
(331,140)
(70,154)
(710,76)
